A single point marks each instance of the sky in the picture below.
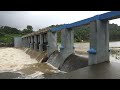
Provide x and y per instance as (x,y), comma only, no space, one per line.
(42,19)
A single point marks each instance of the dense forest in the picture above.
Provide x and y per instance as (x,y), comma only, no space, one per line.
(8,33)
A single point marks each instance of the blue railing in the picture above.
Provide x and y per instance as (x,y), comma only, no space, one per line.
(106,16)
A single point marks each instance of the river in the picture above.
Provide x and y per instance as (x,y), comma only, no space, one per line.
(16,64)
(81,48)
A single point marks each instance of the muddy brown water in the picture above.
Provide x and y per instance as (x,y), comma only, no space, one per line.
(16,64)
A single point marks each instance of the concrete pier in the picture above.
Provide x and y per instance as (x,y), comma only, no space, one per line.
(66,49)
(41,42)
(45,42)
(29,41)
(67,43)
(26,42)
(99,40)
(38,42)
(52,42)
(21,41)
(32,42)
(35,42)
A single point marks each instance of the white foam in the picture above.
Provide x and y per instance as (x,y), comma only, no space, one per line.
(14,59)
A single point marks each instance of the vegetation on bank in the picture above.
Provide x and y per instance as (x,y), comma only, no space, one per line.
(7,33)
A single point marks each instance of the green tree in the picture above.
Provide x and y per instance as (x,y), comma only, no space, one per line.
(29,27)
(28,30)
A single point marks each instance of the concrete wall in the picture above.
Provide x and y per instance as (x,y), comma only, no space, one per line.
(17,42)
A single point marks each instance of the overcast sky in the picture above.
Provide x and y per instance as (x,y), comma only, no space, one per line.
(42,19)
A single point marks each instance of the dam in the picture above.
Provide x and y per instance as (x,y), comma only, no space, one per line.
(63,62)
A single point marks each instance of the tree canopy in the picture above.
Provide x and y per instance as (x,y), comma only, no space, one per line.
(8,33)
(29,29)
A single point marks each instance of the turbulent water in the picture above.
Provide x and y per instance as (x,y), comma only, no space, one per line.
(15,63)
(115,51)
(115,55)
(12,59)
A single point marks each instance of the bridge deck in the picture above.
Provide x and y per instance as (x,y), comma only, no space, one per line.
(106,70)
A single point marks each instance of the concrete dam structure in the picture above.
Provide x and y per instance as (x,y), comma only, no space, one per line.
(42,44)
